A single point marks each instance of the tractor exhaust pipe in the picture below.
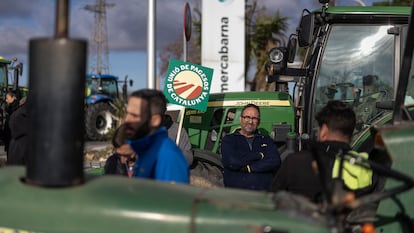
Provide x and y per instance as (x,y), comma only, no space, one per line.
(56,107)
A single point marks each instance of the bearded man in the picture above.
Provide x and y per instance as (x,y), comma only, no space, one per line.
(159,158)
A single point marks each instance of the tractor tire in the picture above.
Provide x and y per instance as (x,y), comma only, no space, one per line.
(99,121)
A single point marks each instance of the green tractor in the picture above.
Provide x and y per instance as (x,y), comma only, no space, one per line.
(362,56)
(205,129)
(352,54)
(10,71)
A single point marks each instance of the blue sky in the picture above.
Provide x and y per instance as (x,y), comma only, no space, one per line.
(22,20)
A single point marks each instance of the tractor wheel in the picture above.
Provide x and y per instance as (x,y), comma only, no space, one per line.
(99,121)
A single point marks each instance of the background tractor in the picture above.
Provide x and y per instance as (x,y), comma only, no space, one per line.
(10,71)
(351,53)
(103,101)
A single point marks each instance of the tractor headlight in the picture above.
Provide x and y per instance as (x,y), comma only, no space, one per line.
(276,55)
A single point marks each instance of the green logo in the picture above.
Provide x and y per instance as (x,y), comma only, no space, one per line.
(188,84)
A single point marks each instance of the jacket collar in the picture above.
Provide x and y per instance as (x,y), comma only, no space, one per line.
(144,143)
(237,132)
(329,149)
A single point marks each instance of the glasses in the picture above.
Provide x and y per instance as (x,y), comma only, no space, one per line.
(125,155)
(248,118)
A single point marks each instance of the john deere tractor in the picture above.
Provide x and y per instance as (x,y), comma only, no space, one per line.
(351,53)
(102,94)
(10,71)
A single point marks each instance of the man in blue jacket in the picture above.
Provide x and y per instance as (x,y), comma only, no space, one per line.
(250,159)
(158,157)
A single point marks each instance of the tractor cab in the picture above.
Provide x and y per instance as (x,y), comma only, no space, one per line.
(352,54)
(99,87)
(359,55)
(10,72)
(4,63)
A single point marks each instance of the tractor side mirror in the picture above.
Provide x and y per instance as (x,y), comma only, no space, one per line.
(20,67)
(306,29)
(291,48)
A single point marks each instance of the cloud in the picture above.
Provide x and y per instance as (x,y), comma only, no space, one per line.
(16,9)
(127,23)
(23,20)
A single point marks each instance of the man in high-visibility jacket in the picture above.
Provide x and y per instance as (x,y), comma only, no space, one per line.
(309,172)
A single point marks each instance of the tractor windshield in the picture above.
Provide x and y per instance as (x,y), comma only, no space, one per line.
(3,77)
(357,67)
(3,73)
(108,87)
(409,97)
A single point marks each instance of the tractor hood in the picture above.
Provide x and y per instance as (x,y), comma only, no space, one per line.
(117,204)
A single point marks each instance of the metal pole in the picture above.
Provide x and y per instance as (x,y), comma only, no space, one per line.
(62,19)
(184,48)
(151,48)
(58,65)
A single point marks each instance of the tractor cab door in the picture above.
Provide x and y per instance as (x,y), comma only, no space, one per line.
(3,91)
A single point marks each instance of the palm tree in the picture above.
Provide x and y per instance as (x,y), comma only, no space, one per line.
(265,33)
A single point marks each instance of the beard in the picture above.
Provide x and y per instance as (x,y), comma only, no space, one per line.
(137,130)
(249,128)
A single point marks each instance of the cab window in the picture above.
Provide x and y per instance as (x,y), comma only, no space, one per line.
(357,69)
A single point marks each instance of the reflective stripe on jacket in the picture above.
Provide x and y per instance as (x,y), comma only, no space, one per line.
(354,176)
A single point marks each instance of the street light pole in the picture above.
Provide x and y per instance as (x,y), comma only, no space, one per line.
(151,40)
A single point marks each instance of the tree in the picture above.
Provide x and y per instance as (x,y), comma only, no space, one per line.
(266,32)
(262,31)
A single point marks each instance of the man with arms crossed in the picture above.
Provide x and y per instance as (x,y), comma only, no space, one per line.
(250,159)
